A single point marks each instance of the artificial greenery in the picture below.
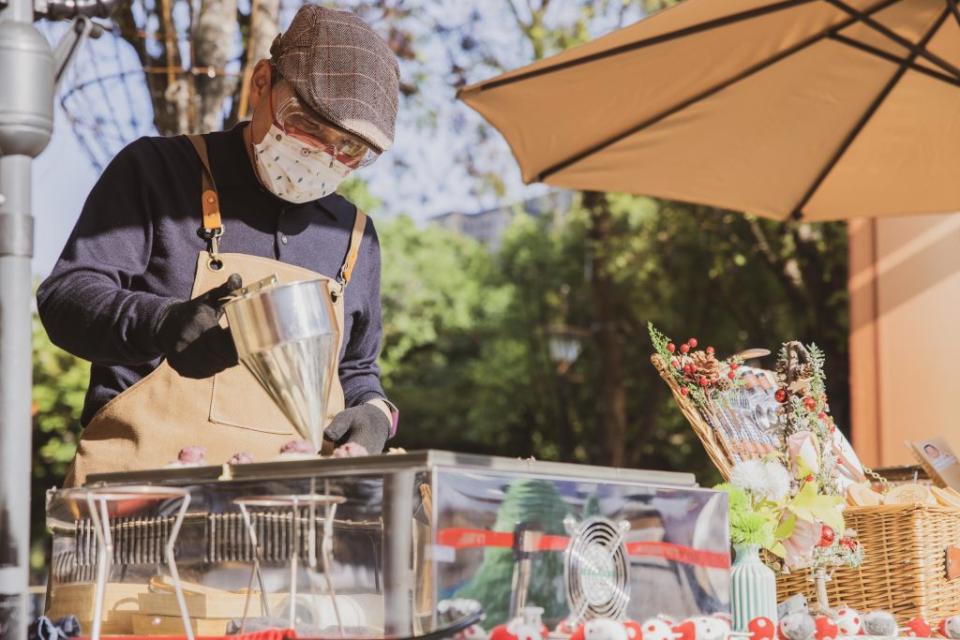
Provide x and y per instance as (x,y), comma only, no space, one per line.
(750,524)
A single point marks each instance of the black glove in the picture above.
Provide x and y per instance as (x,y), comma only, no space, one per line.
(190,335)
(364,424)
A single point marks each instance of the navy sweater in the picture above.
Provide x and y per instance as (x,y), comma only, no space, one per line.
(134,249)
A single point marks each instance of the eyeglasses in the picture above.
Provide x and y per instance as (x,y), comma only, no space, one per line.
(300,122)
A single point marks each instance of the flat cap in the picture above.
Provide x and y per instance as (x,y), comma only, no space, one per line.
(343,69)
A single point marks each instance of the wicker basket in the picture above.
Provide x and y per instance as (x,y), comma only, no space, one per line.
(904,568)
(717,449)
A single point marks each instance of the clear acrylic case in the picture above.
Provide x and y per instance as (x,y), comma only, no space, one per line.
(384,544)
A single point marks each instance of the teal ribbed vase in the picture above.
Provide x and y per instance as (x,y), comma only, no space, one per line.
(753,588)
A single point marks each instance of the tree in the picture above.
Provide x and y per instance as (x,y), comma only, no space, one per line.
(59,385)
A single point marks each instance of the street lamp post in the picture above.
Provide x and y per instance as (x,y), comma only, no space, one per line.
(564,344)
(29,70)
(26,123)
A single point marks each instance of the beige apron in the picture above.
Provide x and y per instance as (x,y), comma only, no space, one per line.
(147,425)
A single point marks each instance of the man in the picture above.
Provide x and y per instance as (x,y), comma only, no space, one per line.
(175,225)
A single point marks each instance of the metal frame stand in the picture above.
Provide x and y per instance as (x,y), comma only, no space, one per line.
(294,503)
(97,501)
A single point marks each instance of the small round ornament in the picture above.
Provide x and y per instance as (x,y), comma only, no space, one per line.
(950,627)
(566,627)
(501,632)
(797,626)
(917,628)
(848,621)
(473,632)
(604,629)
(826,629)
(634,630)
(657,629)
(726,617)
(761,628)
(827,536)
(702,628)
(881,624)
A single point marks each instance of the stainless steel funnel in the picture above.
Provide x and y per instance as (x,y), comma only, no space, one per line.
(286,337)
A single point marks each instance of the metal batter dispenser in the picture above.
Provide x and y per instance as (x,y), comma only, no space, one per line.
(383,544)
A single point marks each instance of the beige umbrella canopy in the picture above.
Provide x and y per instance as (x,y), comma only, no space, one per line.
(820,109)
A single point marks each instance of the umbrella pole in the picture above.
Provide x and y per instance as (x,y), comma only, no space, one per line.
(26,122)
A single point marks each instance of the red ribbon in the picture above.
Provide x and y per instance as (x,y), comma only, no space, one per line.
(461,538)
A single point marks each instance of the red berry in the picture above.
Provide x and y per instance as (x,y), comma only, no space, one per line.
(684,348)
(810,403)
(675,363)
(781,395)
(822,415)
(688,368)
(703,381)
(733,366)
(809,478)
(671,347)
(692,342)
(827,536)
(731,375)
(684,391)
(849,543)
(710,351)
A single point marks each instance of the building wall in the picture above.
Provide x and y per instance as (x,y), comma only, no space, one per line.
(905,356)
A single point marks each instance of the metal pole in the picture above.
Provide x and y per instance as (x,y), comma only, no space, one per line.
(26,122)
(398,490)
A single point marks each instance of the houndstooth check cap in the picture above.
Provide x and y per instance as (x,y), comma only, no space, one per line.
(343,69)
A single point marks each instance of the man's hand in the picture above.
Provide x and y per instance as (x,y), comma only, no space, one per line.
(365,425)
(190,335)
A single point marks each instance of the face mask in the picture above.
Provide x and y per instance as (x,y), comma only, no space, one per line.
(295,171)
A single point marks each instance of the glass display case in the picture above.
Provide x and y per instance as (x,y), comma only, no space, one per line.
(381,545)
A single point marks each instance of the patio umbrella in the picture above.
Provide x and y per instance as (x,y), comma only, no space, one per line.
(813,109)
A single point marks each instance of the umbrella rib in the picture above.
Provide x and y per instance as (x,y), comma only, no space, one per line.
(746,73)
(893,35)
(880,53)
(954,10)
(639,44)
(915,49)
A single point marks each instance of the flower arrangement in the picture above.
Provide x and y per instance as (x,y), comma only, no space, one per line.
(699,373)
(754,492)
(814,536)
(797,525)
(788,501)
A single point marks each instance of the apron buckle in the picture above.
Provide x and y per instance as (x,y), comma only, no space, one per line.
(212,238)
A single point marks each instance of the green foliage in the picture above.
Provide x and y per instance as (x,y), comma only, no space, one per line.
(466,345)
(59,385)
(749,523)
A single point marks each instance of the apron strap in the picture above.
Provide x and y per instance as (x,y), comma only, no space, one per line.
(212,228)
(356,239)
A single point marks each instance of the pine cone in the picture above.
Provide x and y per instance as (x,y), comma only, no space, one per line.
(707,366)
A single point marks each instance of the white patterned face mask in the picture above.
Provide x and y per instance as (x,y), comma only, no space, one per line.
(295,171)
